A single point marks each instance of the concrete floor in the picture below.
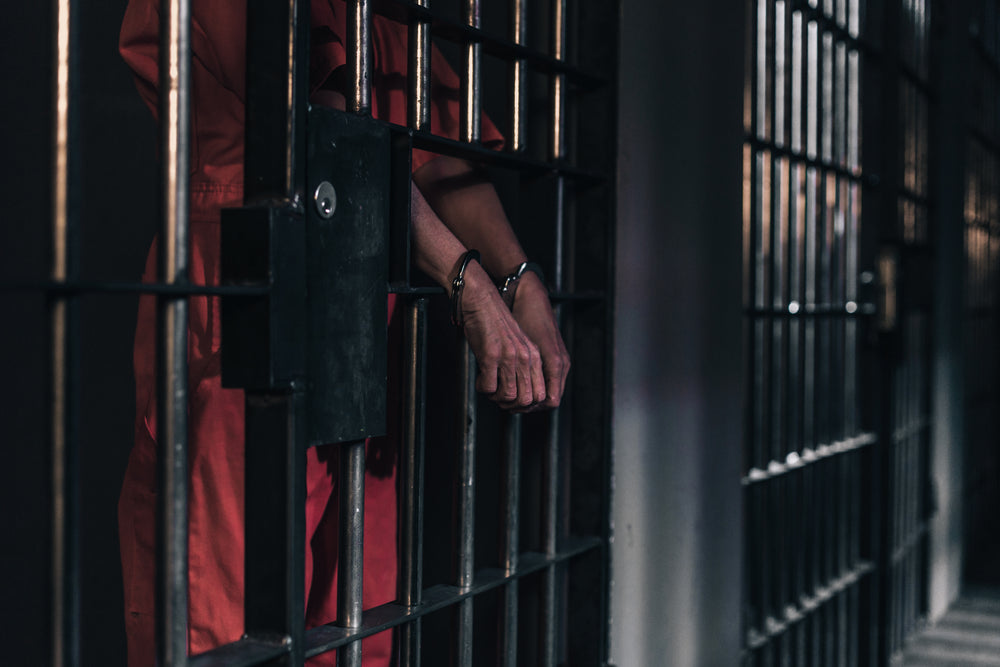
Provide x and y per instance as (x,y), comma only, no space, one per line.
(968,634)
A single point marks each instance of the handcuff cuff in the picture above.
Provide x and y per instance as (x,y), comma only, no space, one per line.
(507,287)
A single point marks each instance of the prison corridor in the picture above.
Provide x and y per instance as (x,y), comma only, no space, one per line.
(968,634)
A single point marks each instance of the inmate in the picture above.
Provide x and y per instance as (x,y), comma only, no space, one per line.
(522,361)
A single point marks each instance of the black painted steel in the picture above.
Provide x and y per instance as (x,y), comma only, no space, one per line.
(265,346)
(347,277)
(275,527)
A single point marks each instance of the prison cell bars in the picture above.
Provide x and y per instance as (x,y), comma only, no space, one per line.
(414,603)
(275,415)
(906,432)
(807,450)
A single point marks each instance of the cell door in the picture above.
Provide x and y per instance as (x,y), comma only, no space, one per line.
(835,232)
(503,530)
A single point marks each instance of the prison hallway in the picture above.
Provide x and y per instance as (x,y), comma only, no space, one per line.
(968,633)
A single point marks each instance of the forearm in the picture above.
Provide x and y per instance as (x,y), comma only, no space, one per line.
(467,203)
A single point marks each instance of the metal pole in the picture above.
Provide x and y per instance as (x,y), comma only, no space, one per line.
(175,129)
(411,474)
(471,85)
(352,531)
(510,504)
(518,82)
(64,346)
(360,40)
(420,66)
(465,501)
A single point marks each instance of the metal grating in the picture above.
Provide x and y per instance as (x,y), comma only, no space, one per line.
(838,418)
(808,455)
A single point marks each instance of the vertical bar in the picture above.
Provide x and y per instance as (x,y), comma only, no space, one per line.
(420,66)
(359,57)
(471,85)
(274,171)
(510,505)
(550,467)
(465,513)
(351,547)
(411,475)
(518,82)
(64,320)
(172,509)
(275,517)
(558,85)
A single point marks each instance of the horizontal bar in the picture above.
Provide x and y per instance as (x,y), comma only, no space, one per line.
(506,159)
(808,457)
(71,287)
(849,309)
(915,536)
(242,653)
(807,605)
(328,637)
(913,428)
(408,11)
(800,157)
(97,288)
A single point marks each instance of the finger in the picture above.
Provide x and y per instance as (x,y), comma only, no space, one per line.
(506,390)
(538,388)
(555,378)
(486,380)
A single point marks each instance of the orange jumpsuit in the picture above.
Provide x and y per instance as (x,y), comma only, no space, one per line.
(216,546)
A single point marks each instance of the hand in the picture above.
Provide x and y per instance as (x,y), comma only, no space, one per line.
(510,365)
(534,314)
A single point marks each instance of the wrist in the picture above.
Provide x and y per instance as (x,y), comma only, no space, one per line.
(528,274)
(470,258)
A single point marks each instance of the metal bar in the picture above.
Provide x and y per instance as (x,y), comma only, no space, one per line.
(510,503)
(420,67)
(359,56)
(351,547)
(276,101)
(465,493)
(518,78)
(64,342)
(172,507)
(411,476)
(275,519)
(436,598)
(469,114)
(557,148)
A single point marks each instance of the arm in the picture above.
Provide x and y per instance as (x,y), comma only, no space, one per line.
(466,202)
(510,366)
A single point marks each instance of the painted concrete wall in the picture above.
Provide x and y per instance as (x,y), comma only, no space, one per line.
(679,366)
(948,385)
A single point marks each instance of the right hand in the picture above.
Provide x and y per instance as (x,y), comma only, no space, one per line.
(510,366)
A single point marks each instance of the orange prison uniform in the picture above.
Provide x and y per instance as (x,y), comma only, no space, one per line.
(216,544)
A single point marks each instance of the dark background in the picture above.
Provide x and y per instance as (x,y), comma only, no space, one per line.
(118,206)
